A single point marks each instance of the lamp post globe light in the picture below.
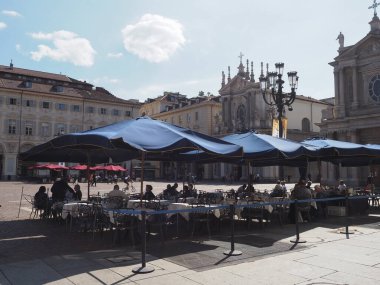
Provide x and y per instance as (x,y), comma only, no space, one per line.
(272,84)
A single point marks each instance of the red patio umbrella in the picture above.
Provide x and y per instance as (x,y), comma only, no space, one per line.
(79,167)
(108,168)
(114,168)
(99,167)
(55,167)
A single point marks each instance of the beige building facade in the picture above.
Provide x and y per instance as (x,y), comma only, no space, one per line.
(36,106)
(356,115)
(201,114)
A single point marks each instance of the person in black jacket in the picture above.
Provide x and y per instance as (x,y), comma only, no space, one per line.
(59,189)
(148,195)
(78,192)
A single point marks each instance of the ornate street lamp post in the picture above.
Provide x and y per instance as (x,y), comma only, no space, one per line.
(272,84)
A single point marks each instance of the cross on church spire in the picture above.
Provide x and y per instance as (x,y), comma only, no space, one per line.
(374,6)
(241,57)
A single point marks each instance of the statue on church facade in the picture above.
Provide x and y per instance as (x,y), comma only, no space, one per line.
(340,38)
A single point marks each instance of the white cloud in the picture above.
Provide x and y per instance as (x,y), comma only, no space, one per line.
(153,37)
(11,13)
(115,55)
(2,25)
(68,46)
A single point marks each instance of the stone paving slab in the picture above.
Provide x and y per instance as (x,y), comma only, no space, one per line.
(31,272)
(343,266)
(351,279)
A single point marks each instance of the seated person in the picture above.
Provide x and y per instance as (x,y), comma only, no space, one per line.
(78,192)
(172,191)
(117,192)
(320,193)
(284,189)
(148,195)
(167,191)
(186,192)
(41,199)
(193,191)
(342,188)
(250,191)
(300,192)
(241,191)
(70,194)
(277,190)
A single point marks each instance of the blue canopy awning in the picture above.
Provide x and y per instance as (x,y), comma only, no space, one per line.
(263,150)
(127,140)
(345,153)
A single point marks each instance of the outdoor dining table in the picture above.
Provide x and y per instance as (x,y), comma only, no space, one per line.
(111,212)
(241,203)
(133,204)
(72,209)
(186,215)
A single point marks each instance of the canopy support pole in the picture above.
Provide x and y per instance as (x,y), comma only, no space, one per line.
(142,178)
(319,171)
(88,175)
(249,176)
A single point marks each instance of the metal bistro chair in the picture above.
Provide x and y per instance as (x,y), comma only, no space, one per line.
(113,202)
(200,218)
(101,220)
(125,225)
(36,211)
(254,213)
(279,211)
(85,217)
(159,221)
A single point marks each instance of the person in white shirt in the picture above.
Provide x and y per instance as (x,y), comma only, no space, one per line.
(117,192)
(342,188)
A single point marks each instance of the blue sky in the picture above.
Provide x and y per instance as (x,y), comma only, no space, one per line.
(139,49)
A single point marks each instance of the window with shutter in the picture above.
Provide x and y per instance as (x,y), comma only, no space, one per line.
(45,130)
(28,128)
(90,109)
(12,127)
(45,105)
(75,108)
(12,101)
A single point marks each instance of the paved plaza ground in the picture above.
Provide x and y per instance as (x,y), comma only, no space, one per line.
(37,251)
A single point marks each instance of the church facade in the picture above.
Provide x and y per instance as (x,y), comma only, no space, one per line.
(244,109)
(356,115)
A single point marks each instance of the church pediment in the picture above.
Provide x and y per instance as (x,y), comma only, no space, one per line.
(367,47)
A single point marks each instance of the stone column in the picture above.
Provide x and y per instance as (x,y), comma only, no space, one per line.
(336,85)
(249,115)
(229,115)
(341,105)
(355,103)
(9,169)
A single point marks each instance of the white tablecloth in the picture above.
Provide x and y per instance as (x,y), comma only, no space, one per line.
(112,212)
(186,215)
(133,204)
(72,209)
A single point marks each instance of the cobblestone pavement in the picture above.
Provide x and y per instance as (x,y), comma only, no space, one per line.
(39,251)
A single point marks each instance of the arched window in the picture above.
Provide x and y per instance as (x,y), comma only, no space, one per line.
(305,125)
